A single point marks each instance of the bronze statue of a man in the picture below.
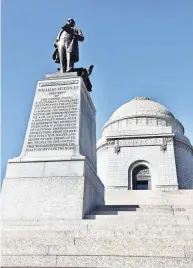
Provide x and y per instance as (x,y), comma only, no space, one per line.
(66,44)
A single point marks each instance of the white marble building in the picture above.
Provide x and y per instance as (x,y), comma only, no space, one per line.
(143,146)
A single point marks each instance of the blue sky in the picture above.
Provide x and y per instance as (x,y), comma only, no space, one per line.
(139,48)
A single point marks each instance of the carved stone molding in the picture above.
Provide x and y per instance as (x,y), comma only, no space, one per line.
(58,83)
(162,142)
(163,147)
(111,142)
(144,171)
(140,142)
(103,147)
(169,140)
(117,147)
(106,145)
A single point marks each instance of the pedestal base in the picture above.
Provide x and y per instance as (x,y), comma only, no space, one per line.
(50,190)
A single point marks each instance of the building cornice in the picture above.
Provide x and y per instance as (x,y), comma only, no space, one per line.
(112,139)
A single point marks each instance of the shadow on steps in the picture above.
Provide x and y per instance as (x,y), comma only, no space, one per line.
(113,209)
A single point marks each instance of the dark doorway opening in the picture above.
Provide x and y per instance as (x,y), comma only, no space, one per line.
(141,178)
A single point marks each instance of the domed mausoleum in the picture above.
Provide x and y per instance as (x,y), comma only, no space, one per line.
(143,147)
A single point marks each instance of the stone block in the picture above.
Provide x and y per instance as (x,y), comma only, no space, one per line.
(189,251)
(43,227)
(28,261)
(25,170)
(137,241)
(120,261)
(42,198)
(122,249)
(64,168)
(19,240)
(49,198)
(24,249)
(154,231)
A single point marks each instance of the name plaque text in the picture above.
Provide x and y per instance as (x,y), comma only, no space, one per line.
(54,121)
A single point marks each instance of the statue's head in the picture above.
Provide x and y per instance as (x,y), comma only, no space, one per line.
(71,22)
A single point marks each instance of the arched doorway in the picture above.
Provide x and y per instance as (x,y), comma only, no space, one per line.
(141,178)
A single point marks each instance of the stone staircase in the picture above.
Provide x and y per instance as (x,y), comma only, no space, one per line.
(134,236)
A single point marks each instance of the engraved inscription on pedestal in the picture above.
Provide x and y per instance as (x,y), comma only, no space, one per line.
(54,120)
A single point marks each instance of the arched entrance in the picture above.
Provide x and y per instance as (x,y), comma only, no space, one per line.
(141,178)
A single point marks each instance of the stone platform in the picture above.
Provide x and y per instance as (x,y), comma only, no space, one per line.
(111,236)
(155,197)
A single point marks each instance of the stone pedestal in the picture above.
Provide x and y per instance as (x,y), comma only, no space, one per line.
(55,175)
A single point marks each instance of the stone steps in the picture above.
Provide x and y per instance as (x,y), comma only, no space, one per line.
(139,241)
(122,246)
(156,221)
(95,231)
(149,212)
(180,198)
(102,261)
(122,261)
(121,250)
(102,220)
(145,207)
(48,239)
(112,236)
(99,247)
(168,233)
(132,214)
(129,213)
(56,249)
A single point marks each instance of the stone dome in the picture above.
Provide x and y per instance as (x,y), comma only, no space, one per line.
(140,106)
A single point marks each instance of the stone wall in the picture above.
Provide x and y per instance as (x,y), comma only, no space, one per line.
(118,172)
(87,139)
(93,190)
(102,164)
